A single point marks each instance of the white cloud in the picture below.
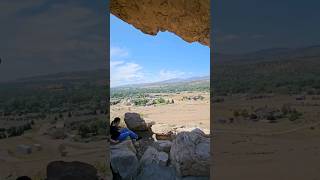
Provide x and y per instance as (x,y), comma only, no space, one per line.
(167,74)
(122,71)
(117,52)
(125,73)
(115,63)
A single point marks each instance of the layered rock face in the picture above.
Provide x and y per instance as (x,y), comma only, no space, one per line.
(189,19)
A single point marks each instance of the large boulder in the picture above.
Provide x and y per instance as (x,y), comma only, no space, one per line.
(60,170)
(24,149)
(190,154)
(124,160)
(163,145)
(163,131)
(158,172)
(203,132)
(135,122)
(153,156)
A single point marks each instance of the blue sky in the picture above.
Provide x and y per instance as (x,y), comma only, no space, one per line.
(139,58)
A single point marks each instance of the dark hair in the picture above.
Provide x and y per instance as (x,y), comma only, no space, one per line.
(115,120)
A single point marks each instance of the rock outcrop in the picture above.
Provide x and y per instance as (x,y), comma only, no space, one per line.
(60,170)
(176,153)
(163,145)
(135,122)
(124,160)
(190,19)
(158,172)
(163,131)
(190,154)
(153,156)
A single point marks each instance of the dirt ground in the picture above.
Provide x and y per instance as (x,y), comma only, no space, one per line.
(193,113)
(264,151)
(13,164)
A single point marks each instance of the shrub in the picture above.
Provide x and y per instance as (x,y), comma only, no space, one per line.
(84,130)
(236,113)
(244,113)
(294,115)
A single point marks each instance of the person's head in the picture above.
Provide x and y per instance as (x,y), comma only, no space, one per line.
(116,121)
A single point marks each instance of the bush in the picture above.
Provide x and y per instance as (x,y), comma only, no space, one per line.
(140,102)
(15,131)
(244,113)
(285,109)
(3,135)
(236,113)
(294,115)
(84,130)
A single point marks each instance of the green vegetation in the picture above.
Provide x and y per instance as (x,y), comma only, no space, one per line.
(55,98)
(286,75)
(135,92)
(267,113)
(93,128)
(144,96)
(36,95)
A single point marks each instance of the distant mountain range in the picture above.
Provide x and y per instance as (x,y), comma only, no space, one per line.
(275,67)
(96,77)
(270,54)
(170,82)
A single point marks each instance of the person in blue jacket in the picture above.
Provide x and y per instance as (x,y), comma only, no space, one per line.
(120,134)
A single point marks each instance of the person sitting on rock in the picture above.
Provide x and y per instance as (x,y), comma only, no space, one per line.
(120,134)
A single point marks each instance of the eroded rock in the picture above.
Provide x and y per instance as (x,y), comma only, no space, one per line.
(135,122)
(158,172)
(187,19)
(153,156)
(190,154)
(124,160)
(163,145)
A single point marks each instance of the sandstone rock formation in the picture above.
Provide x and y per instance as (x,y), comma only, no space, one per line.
(124,160)
(190,154)
(59,170)
(189,19)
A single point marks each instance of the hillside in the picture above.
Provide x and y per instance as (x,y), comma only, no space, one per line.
(168,86)
(55,92)
(277,70)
